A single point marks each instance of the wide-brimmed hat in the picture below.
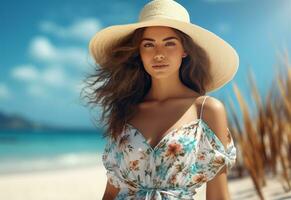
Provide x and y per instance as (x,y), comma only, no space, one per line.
(224,60)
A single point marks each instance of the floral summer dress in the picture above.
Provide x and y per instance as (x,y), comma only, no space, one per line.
(182,161)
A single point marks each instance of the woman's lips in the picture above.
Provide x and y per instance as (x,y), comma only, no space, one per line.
(159,66)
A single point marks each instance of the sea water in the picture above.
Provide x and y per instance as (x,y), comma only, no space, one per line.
(32,150)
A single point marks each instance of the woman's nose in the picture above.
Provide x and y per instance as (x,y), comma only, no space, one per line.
(159,57)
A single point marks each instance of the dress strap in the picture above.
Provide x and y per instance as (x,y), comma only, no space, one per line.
(201,110)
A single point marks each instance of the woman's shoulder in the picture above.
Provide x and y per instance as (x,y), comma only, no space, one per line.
(210,103)
(215,116)
(210,107)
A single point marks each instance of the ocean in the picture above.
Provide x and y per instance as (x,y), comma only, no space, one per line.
(33,150)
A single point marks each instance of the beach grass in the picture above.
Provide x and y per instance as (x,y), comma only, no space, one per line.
(264,139)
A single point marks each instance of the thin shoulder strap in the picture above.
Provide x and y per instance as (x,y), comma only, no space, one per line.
(201,110)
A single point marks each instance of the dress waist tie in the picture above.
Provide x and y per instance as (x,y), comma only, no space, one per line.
(175,192)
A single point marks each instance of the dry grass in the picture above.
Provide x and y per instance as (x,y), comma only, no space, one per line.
(264,140)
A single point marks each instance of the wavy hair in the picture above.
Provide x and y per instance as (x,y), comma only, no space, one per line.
(121,82)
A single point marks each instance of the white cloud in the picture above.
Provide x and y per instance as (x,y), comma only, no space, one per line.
(4,91)
(43,50)
(52,76)
(51,60)
(33,78)
(25,72)
(48,83)
(82,29)
(37,90)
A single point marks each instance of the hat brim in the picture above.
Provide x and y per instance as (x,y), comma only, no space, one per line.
(224,60)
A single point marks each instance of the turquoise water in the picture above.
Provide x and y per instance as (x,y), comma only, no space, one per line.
(28,150)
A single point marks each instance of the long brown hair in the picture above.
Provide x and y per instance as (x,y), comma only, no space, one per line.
(121,82)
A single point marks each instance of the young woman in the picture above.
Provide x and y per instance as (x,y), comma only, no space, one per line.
(166,137)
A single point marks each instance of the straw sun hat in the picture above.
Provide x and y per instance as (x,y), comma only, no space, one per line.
(223,58)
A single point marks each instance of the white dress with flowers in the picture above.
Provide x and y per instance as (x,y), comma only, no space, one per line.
(180,163)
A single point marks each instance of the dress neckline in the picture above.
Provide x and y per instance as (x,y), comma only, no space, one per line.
(153,148)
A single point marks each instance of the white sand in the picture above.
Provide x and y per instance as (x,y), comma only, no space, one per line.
(70,184)
(89,184)
(241,189)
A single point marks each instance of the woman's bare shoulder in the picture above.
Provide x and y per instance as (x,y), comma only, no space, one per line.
(210,102)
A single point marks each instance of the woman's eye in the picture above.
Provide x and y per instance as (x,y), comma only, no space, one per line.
(151,45)
(170,43)
(148,45)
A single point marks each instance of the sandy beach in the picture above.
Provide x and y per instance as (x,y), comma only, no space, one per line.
(72,184)
(89,183)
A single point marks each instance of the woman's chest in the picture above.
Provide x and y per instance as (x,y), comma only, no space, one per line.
(156,122)
(177,144)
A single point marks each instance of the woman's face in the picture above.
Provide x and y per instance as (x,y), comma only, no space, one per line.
(161,46)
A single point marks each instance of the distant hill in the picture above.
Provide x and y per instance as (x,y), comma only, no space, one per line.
(15,122)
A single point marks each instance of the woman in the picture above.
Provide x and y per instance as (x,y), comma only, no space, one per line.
(166,138)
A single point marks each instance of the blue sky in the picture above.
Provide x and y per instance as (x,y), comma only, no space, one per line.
(44,55)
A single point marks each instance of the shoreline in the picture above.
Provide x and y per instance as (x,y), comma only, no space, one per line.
(48,170)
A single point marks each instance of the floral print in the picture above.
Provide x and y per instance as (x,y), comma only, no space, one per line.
(181,162)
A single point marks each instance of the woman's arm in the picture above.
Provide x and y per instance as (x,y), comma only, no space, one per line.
(215,116)
(217,188)
(110,192)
